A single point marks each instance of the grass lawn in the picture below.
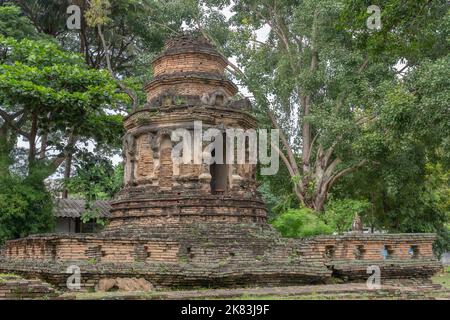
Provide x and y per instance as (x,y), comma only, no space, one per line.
(443,278)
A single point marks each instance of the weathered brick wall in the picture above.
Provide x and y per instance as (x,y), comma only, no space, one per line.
(166,169)
(30,249)
(161,221)
(339,248)
(145,165)
(81,248)
(189,67)
(182,209)
(184,115)
(188,62)
(189,170)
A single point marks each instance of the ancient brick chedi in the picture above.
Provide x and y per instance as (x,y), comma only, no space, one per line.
(189,85)
(195,224)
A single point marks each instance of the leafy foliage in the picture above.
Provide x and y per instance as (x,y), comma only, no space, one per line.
(13,24)
(25,207)
(95,179)
(56,95)
(134,29)
(299,223)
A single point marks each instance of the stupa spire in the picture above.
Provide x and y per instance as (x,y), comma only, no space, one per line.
(189,66)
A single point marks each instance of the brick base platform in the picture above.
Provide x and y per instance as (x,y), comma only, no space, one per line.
(218,255)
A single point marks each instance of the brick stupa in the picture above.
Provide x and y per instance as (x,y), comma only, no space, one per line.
(189,85)
(197,225)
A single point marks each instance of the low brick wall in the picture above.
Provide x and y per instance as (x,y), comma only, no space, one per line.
(399,256)
(219,255)
(376,246)
(90,247)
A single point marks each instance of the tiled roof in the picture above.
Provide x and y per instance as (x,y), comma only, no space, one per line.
(74,208)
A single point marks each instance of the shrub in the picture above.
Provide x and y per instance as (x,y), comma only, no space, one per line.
(299,223)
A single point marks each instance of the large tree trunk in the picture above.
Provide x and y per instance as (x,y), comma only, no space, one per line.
(32,144)
(6,146)
(319,201)
(44,140)
(67,172)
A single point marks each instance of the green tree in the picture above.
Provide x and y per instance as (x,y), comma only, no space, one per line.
(134,30)
(322,77)
(50,95)
(25,207)
(95,178)
(13,24)
(407,181)
(50,99)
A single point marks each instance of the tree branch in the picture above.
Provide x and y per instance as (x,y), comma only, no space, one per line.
(343,96)
(59,159)
(128,91)
(342,173)
(9,120)
(284,141)
(308,156)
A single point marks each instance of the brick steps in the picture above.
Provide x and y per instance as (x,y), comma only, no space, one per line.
(16,288)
